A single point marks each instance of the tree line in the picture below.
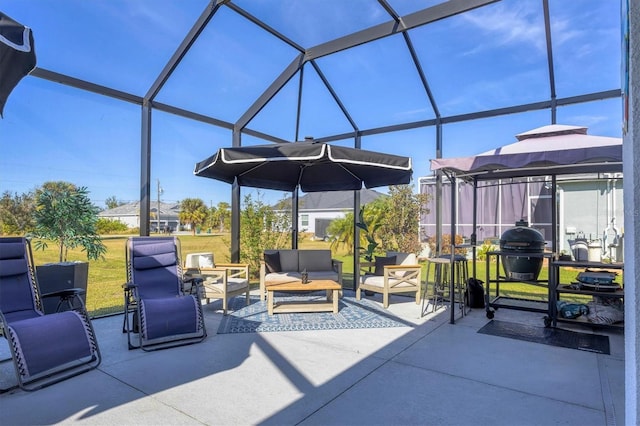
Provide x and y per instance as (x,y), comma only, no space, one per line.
(18,211)
(389,223)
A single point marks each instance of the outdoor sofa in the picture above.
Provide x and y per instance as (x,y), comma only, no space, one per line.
(288,264)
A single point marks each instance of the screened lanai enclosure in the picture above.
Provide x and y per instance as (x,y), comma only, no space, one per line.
(127,96)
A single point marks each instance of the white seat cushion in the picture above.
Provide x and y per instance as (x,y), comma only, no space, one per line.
(281,276)
(233,284)
(378,281)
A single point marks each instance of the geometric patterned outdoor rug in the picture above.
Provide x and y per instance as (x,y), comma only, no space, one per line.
(351,314)
(548,336)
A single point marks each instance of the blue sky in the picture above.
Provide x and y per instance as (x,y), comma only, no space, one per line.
(490,58)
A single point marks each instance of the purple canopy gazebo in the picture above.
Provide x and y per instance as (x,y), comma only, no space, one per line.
(549,150)
(546,151)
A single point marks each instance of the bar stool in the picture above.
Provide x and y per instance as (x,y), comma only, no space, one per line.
(461,269)
(439,283)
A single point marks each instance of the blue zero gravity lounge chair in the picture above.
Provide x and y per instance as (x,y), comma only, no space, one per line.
(156,307)
(45,348)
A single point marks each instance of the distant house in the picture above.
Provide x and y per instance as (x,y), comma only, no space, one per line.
(317,209)
(129,214)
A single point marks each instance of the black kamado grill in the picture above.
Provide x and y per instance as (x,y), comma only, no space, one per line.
(517,245)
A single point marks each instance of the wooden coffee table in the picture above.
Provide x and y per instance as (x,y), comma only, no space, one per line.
(330,305)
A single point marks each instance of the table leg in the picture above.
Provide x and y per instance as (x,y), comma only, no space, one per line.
(335,301)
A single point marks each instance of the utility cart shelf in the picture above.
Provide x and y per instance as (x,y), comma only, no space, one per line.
(494,303)
(558,289)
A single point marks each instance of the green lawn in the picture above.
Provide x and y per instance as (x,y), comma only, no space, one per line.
(105,295)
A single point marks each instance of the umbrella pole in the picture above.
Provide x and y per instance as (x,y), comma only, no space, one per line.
(235,222)
(356,241)
(294,218)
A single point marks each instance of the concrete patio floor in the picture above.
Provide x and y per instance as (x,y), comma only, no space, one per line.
(432,373)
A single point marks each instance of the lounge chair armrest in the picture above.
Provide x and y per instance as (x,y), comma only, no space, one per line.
(193,280)
(66,293)
(205,272)
(68,296)
(190,271)
(192,284)
(129,286)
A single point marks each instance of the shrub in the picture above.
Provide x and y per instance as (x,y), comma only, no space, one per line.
(260,228)
(446,245)
(110,226)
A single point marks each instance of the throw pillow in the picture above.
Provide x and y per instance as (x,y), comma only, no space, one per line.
(381,262)
(206,260)
(272,262)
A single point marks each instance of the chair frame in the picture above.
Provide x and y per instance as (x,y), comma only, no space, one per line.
(70,297)
(221,273)
(394,284)
(132,318)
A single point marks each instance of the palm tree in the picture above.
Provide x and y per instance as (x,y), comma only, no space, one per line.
(193,212)
(223,214)
(343,230)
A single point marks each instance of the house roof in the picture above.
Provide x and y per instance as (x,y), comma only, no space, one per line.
(133,209)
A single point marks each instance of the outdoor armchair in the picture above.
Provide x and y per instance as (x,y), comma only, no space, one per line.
(219,280)
(395,273)
(45,349)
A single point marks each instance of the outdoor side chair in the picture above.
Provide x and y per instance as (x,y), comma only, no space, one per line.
(219,280)
(45,349)
(157,308)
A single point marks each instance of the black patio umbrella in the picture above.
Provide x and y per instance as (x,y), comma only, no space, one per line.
(312,166)
(17,55)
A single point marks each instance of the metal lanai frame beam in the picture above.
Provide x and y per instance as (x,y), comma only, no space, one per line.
(271,91)
(607,94)
(264,26)
(552,79)
(299,103)
(85,85)
(413,20)
(334,95)
(589,97)
(147,105)
(184,47)
(423,77)
(192,115)
(405,23)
